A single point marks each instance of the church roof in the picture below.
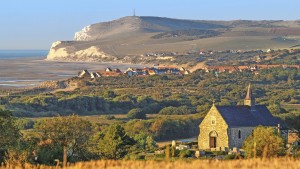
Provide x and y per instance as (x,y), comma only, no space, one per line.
(242,116)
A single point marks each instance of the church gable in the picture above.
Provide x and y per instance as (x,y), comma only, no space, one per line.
(212,118)
(213,130)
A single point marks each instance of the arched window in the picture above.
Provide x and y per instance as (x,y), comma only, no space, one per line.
(240,134)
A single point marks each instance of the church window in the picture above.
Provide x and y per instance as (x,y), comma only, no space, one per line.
(240,134)
(213,120)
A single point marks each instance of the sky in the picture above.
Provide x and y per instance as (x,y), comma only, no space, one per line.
(35,24)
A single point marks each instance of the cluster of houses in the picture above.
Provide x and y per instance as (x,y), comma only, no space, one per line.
(253,68)
(199,52)
(108,72)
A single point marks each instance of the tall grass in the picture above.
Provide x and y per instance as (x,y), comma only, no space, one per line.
(275,163)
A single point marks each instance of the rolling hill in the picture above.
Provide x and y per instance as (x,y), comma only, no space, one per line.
(132,38)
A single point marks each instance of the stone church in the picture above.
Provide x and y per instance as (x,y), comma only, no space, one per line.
(228,126)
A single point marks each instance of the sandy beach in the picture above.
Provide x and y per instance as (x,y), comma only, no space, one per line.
(26,72)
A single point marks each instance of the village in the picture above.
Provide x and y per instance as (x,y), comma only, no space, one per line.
(140,72)
(161,70)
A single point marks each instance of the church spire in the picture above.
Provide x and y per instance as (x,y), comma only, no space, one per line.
(249,99)
(249,93)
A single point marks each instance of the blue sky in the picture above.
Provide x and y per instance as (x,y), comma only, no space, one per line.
(35,24)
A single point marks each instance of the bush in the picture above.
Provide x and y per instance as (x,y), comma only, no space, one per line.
(109,117)
(182,110)
(109,94)
(136,114)
(24,124)
(219,152)
(185,153)
(134,156)
(229,157)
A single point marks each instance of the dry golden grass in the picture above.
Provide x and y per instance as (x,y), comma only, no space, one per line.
(280,163)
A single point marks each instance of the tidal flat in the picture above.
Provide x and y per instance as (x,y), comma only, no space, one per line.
(28,72)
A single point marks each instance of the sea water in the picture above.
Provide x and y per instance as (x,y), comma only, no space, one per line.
(21,54)
(15,54)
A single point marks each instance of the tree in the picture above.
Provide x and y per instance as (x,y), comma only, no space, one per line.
(69,132)
(136,114)
(144,101)
(263,142)
(292,119)
(150,143)
(10,133)
(114,143)
(8,129)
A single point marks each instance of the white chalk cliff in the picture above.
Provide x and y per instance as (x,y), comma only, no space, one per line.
(70,53)
(83,34)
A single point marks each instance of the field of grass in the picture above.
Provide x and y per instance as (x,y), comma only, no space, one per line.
(291,107)
(277,163)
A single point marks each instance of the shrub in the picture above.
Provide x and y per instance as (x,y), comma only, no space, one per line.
(229,156)
(182,110)
(185,153)
(109,117)
(136,114)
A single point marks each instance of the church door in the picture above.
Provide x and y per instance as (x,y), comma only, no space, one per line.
(212,142)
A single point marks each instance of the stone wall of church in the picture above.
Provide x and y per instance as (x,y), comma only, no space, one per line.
(234,140)
(213,123)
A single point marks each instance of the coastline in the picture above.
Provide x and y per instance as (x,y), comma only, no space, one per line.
(31,71)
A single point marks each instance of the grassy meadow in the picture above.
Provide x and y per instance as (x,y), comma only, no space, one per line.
(275,163)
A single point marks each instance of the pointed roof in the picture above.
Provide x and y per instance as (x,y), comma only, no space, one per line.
(83,73)
(249,93)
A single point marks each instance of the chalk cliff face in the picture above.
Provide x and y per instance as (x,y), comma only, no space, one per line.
(62,51)
(83,34)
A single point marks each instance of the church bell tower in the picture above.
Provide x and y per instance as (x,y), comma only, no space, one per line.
(249,99)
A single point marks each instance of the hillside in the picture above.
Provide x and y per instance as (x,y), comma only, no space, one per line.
(130,39)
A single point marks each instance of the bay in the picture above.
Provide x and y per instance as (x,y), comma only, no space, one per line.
(15,54)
